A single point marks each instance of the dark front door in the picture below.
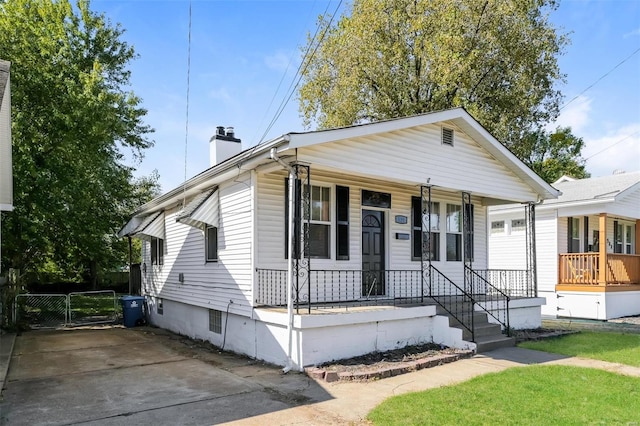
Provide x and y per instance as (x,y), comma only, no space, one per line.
(372,253)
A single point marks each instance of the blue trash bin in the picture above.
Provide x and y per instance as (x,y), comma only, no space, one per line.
(132,310)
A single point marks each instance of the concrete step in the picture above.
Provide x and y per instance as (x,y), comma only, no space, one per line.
(490,343)
(483,330)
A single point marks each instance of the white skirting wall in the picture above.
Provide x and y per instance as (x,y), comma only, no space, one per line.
(317,338)
(524,314)
(598,305)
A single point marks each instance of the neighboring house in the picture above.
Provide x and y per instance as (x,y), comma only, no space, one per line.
(6,168)
(587,244)
(330,244)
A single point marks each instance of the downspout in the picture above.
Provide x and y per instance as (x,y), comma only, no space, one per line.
(292,178)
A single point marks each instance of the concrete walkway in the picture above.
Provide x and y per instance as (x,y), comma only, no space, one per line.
(149,376)
(351,402)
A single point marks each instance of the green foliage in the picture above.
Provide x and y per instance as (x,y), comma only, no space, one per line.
(613,347)
(552,155)
(394,58)
(73,119)
(534,395)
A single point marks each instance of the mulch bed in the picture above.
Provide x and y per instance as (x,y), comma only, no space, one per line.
(379,365)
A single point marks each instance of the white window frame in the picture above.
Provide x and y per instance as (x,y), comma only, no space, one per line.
(516,227)
(156,251)
(328,224)
(207,256)
(451,231)
(497,227)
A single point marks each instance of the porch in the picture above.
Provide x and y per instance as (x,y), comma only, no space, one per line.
(483,292)
(606,271)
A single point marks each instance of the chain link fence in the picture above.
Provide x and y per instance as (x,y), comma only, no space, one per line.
(61,310)
(40,310)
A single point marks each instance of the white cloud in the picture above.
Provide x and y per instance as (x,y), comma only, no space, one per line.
(575,115)
(280,61)
(632,33)
(616,150)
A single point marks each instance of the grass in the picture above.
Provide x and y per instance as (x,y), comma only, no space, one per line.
(613,347)
(94,305)
(549,395)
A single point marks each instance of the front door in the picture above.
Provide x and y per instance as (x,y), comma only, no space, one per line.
(372,253)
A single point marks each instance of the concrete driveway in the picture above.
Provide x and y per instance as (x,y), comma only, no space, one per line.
(117,376)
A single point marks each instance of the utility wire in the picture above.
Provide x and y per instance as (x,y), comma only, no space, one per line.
(186,124)
(284,74)
(598,80)
(612,145)
(301,69)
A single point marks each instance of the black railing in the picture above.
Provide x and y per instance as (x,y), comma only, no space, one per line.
(333,288)
(489,298)
(452,298)
(512,282)
(490,290)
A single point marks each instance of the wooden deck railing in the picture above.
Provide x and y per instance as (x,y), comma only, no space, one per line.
(623,269)
(584,269)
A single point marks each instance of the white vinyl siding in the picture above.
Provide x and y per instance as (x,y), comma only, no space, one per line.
(548,233)
(209,284)
(507,250)
(270,219)
(417,155)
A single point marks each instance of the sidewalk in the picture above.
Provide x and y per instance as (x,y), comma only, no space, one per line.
(352,401)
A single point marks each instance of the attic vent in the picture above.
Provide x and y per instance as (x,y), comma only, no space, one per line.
(447,136)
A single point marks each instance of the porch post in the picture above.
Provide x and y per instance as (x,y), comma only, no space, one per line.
(602,250)
(637,249)
(425,255)
(531,256)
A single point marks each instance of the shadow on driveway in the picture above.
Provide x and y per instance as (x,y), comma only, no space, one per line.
(141,375)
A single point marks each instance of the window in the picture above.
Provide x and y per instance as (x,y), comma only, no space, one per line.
(447,136)
(454,232)
(157,251)
(618,231)
(418,219)
(215,321)
(629,240)
(376,199)
(497,227)
(211,243)
(573,235)
(320,221)
(159,307)
(518,225)
(342,223)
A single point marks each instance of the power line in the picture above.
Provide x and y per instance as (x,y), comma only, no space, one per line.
(612,145)
(300,71)
(186,124)
(598,80)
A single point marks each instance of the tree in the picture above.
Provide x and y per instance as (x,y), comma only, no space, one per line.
(394,58)
(73,119)
(553,154)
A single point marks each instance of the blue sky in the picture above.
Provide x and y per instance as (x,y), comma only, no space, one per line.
(242,51)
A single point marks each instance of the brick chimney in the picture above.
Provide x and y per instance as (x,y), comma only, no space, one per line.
(223,145)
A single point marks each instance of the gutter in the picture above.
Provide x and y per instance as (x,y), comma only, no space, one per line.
(293,176)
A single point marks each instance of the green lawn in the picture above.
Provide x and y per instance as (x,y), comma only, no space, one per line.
(613,347)
(533,395)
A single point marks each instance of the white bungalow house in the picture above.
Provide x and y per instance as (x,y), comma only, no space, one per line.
(587,246)
(6,168)
(329,244)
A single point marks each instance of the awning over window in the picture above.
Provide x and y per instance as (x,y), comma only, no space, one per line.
(145,227)
(201,211)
